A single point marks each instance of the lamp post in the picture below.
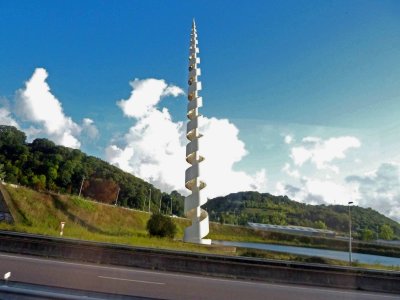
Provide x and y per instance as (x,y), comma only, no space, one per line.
(149,199)
(80,190)
(116,198)
(350,203)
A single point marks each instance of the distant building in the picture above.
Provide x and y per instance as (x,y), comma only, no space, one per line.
(294,230)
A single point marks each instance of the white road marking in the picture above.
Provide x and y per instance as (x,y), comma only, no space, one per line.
(164,273)
(133,280)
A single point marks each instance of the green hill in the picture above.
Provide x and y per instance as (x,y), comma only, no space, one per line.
(44,166)
(42,213)
(239,208)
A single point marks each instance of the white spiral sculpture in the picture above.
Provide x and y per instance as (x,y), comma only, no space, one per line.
(193,180)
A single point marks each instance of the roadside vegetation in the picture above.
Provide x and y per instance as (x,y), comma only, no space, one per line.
(46,167)
(48,179)
(161,225)
(42,213)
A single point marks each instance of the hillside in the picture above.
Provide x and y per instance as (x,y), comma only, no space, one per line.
(42,212)
(44,166)
(239,208)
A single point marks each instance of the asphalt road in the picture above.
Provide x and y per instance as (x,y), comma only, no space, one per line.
(161,285)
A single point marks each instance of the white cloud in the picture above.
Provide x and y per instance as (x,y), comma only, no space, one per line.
(90,129)
(6,118)
(380,190)
(154,147)
(291,172)
(316,191)
(35,103)
(288,139)
(323,152)
(146,94)
(153,150)
(222,148)
(322,187)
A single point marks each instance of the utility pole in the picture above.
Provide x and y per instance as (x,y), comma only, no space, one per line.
(350,260)
(149,199)
(171,206)
(116,198)
(80,190)
(159,208)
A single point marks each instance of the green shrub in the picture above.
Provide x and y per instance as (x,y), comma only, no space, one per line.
(316,260)
(162,226)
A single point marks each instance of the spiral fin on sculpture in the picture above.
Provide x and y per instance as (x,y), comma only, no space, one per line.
(193,180)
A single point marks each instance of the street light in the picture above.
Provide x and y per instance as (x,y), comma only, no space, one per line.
(116,198)
(80,190)
(350,203)
(149,199)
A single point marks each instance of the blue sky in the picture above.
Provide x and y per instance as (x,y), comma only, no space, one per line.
(311,87)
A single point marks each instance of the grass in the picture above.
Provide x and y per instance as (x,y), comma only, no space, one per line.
(42,213)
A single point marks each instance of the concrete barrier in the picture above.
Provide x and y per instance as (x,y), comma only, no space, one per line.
(204,264)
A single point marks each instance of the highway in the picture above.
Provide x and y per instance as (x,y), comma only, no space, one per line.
(161,285)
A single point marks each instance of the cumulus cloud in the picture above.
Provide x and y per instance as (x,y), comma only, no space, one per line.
(380,190)
(6,118)
(90,129)
(146,94)
(154,147)
(36,103)
(323,152)
(291,172)
(288,139)
(222,148)
(316,191)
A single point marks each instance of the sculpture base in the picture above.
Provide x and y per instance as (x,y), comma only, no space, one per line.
(198,241)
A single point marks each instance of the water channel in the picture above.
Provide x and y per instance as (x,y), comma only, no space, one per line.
(333,254)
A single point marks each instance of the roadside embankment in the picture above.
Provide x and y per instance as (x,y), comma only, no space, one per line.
(204,264)
(5,214)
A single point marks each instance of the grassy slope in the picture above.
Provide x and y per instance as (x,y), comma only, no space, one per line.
(42,213)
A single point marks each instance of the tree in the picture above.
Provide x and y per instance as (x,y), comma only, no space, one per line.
(39,182)
(367,235)
(277,218)
(320,225)
(2,172)
(9,135)
(386,232)
(161,226)
(101,190)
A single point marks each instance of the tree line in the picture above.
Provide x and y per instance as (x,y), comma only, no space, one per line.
(243,207)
